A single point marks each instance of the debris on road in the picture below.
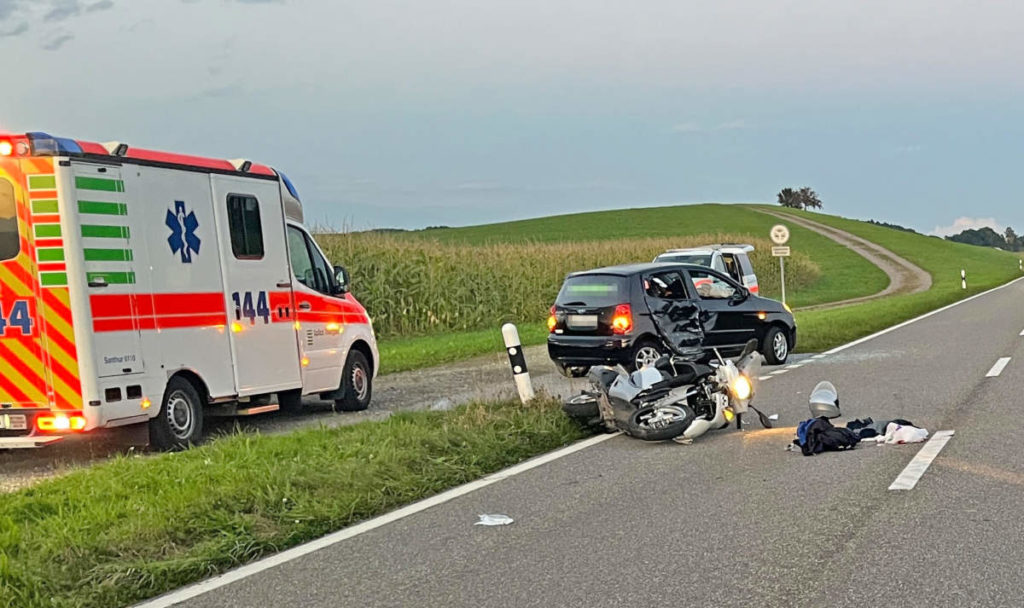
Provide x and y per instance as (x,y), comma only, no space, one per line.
(896,434)
(493,520)
(817,435)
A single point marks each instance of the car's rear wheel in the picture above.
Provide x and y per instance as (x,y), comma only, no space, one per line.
(646,353)
(775,346)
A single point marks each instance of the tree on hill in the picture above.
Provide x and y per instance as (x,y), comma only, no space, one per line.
(983,237)
(804,198)
(1014,242)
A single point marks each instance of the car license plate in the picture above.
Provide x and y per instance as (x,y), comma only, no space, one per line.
(582,322)
(13,422)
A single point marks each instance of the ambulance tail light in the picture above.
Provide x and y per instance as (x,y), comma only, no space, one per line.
(59,423)
(6,146)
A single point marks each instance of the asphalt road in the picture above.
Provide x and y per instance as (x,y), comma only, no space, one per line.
(734,519)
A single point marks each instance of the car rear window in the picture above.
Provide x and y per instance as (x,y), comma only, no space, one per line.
(10,242)
(593,290)
(701,260)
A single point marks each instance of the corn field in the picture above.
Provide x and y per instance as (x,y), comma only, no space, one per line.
(416,286)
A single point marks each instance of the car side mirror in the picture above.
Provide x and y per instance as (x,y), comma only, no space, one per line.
(740,295)
(341,281)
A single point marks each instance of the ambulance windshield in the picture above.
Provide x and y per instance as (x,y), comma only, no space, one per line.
(9,241)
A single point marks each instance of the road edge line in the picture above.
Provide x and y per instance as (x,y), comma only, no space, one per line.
(918,318)
(205,586)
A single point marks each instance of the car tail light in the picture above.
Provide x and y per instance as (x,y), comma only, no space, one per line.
(55,423)
(6,146)
(622,320)
(552,321)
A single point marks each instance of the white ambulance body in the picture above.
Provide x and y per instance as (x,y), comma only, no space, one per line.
(162,288)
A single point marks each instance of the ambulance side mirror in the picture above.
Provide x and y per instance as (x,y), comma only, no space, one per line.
(340,281)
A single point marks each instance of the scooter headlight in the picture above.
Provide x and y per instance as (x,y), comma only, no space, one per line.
(741,388)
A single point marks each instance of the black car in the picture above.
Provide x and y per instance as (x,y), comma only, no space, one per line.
(634,314)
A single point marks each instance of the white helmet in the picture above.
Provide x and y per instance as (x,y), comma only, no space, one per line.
(825,400)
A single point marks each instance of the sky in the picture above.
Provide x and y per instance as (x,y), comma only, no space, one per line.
(412,113)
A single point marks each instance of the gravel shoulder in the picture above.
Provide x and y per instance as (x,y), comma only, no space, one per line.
(904,276)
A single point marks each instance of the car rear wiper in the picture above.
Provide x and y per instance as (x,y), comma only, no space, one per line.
(573,304)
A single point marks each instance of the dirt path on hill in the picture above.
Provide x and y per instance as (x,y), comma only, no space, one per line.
(904,276)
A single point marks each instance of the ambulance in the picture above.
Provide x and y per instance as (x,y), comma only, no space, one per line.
(148,287)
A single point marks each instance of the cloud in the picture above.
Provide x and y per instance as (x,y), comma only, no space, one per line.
(17,30)
(9,7)
(693,127)
(102,5)
(965,223)
(62,9)
(58,41)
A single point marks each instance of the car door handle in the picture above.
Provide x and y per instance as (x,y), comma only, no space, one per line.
(305,306)
(284,284)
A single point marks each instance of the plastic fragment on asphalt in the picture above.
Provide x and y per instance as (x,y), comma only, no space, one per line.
(682,440)
(773,417)
(493,520)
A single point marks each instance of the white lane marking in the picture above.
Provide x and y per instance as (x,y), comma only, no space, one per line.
(778,371)
(916,319)
(1022,332)
(920,463)
(763,378)
(186,593)
(795,366)
(819,356)
(998,367)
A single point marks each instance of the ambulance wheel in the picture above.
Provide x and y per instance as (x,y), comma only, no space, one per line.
(290,401)
(356,384)
(180,421)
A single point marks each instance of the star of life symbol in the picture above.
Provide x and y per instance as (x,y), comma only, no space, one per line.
(183,227)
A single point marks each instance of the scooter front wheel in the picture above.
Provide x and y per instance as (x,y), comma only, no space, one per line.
(660,422)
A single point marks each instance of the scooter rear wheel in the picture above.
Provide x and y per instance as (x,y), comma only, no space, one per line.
(660,422)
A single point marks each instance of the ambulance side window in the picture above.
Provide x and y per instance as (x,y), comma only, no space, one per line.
(10,243)
(246,228)
(302,265)
(308,266)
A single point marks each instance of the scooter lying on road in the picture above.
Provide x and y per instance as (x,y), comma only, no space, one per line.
(670,399)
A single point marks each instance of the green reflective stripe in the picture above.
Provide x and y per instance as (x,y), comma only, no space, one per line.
(106,232)
(47,230)
(99,183)
(42,182)
(108,255)
(47,254)
(53,279)
(112,278)
(99,208)
(46,205)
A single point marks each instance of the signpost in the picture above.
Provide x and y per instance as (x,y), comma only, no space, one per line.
(780,236)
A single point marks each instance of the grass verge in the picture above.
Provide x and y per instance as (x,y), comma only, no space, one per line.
(133,528)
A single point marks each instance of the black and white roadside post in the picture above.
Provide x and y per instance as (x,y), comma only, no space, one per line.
(963,279)
(518,362)
(1020,264)
(780,236)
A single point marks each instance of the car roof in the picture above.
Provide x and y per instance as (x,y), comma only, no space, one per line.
(626,270)
(723,247)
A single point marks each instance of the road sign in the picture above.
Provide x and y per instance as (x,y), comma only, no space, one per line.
(779,234)
(780,252)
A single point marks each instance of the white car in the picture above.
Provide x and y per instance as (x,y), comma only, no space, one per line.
(728,258)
